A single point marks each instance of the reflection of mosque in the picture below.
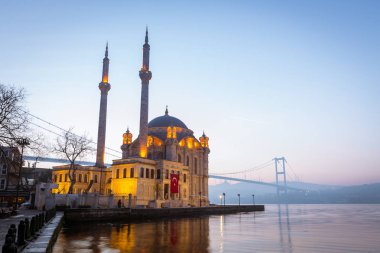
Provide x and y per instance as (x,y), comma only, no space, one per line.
(183,235)
(174,235)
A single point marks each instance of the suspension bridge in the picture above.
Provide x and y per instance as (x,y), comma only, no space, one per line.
(280,166)
(239,176)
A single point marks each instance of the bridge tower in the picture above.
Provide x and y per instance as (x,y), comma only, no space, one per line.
(279,164)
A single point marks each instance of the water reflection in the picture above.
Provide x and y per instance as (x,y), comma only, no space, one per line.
(182,235)
(221,229)
(293,228)
(284,228)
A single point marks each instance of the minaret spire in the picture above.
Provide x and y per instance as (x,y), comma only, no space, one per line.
(106,63)
(104,87)
(146,50)
(146,35)
(145,76)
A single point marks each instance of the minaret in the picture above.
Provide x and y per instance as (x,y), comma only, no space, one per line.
(104,87)
(204,172)
(145,76)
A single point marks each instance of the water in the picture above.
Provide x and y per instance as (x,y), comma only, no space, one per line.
(292,228)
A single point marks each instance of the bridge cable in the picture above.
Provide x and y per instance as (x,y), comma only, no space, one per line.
(63,136)
(256,168)
(291,169)
(64,130)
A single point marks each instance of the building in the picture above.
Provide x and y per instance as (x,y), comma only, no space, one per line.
(9,177)
(166,165)
(87,179)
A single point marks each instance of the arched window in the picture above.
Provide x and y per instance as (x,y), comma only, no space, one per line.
(184,178)
(179,158)
(117,173)
(147,173)
(4,169)
(66,176)
(166,174)
(195,165)
(132,172)
(187,161)
(95,178)
(85,178)
(80,178)
(169,133)
(124,173)
(152,173)
(158,174)
(60,177)
(142,172)
(55,178)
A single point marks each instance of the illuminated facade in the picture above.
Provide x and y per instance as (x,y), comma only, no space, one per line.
(165,148)
(88,179)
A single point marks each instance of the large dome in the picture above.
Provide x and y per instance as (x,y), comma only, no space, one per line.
(165,121)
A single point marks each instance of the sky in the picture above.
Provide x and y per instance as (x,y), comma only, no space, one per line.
(263,79)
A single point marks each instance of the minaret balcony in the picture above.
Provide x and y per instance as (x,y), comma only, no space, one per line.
(145,75)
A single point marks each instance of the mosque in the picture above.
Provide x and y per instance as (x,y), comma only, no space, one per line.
(166,165)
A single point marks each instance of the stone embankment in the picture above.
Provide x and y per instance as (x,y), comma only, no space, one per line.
(29,228)
(47,237)
(127,214)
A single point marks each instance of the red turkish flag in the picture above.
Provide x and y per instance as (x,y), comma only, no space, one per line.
(174,183)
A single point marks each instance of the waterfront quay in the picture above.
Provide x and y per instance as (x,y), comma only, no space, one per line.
(5,223)
(30,231)
(132,214)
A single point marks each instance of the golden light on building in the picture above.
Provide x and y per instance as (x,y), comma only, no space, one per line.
(124,138)
(127,138)
(174,133)
(157,142)
(169,133)
(143,152)
(190,142)
(124,186)
(182,143)
(105,79)
(204,140)
(150,141)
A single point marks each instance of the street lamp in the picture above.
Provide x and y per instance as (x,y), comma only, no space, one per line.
(239,198)
(220,197)
(253,199)
(224,198)
(22,142)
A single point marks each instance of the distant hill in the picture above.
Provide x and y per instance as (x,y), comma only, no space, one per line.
(368,193)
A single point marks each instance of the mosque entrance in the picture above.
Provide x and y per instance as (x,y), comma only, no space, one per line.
(166,191)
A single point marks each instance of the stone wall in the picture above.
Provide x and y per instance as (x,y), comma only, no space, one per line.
(125,214)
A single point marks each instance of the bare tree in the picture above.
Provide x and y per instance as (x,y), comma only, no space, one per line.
(14,126)
(72,147)
(13,116)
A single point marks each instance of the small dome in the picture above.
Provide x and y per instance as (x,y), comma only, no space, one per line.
(165,121)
